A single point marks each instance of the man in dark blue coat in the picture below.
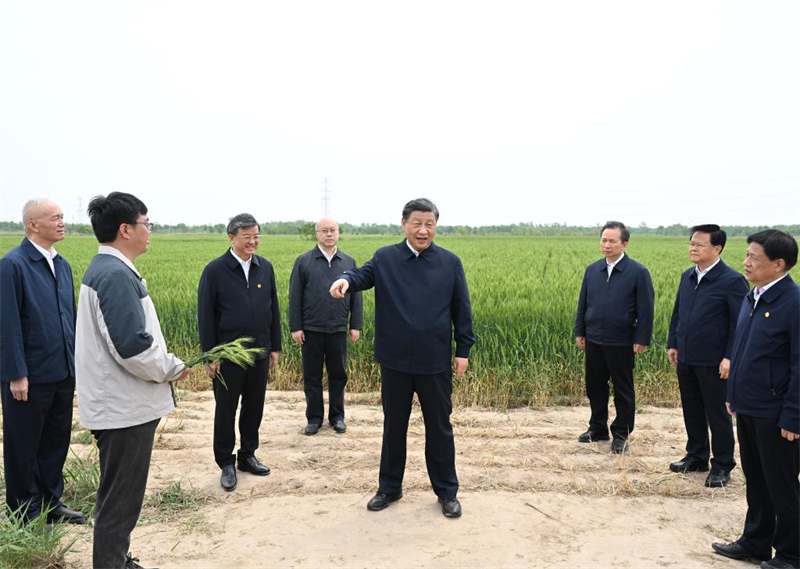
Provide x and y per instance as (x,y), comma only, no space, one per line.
(764,397)
(614,322)
(421,303)
(236,298)
(699,345)
(37,365)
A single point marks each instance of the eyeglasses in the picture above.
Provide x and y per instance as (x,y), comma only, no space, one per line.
(327,231)
(249,238)
(693,245)
(148,224)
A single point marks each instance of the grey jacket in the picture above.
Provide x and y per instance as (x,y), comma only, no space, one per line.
(122,365)
(311,306)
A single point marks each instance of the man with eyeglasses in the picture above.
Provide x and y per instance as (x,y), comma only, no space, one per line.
(319,323)
(37,365)
(614,322)
(237,298)
(699,345)
(123,371)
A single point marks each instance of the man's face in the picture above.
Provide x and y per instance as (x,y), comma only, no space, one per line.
(48,223)
(701,252)
(327,234)
(758,269)
(420,229)
(611,244)
(245,242)
(140,234)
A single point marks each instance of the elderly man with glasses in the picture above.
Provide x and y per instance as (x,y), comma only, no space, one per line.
(236,297)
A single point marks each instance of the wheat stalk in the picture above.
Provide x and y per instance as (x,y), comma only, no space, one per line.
(235,352)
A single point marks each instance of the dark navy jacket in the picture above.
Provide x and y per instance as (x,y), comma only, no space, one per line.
(420,302)
(311,306)
(764,379)
(616,311)
(37,317)
(704,317)
(228,308)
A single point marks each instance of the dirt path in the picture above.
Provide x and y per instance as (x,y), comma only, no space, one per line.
(532,496)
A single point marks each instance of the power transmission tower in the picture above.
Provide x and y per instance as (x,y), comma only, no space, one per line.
(325,193)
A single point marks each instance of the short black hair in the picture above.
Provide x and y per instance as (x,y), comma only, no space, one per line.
(420,204)
(716,234)
(625,235)
(777,245)
(241,221)
(107,213)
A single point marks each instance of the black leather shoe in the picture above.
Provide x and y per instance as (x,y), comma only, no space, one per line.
(61,514)
(777,563)
(339,426)
(451,508)
(618,446)
(717,478)
(591,436)
(381,501)
(228,478)
(734,551)
(251,465)
(132,562)
(311,429)
(689,464)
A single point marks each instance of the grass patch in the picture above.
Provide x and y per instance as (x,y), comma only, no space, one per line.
(81,438)
(174,500)
(81,480)
(34,544)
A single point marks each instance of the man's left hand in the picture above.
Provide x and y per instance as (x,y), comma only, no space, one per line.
(354,336)
(460,366)
(724,368)
(789,435)
(639,348)
(273,359)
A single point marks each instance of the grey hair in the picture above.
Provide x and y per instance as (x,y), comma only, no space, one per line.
(30,205)
(420,204)
(316,225)
(241,221)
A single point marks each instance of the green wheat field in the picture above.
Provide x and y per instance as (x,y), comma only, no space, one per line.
(524,294)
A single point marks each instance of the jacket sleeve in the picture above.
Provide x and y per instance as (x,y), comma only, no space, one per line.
(736,293)
(206,292)
(580,317)
(461,313)
(645,303)
(12,345)
(296,288)
(356,311)
(672,337)
(275,332)
(790,412)
(122,322)
(361,278)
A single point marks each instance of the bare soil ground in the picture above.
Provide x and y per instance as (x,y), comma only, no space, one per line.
(532,496)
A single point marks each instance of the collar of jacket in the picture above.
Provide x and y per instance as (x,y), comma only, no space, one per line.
(114,252)
(318,253)
(232,262)
(31,250)
(773,292)
(620,266)
(427,254)
(710,275)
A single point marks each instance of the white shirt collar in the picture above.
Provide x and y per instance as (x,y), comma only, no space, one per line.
(759,291)
(328,257)
(701,273)
(48,255)
(245,264)
(416,253)
(114,252)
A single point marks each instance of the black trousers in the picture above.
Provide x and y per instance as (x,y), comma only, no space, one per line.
(250,384)
(615,363)
(771,465)
(124,466)
(435,398)
(36,437)
(703,395)
(330,349)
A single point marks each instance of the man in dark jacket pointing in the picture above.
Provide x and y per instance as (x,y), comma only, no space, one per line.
(421,303)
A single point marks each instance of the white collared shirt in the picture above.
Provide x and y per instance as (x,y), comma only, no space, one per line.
(416,253)
(700,274)
(610,266)
(48,255)
(328,257)
(245,265)
(757,292)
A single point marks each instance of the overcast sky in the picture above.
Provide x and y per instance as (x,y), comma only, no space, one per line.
(500,111)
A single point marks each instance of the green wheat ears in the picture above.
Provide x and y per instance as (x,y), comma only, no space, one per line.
(235,352)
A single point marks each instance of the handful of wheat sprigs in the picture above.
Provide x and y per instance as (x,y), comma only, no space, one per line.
(234,352)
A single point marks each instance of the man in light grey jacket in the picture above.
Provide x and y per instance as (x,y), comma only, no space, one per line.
(123,371)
